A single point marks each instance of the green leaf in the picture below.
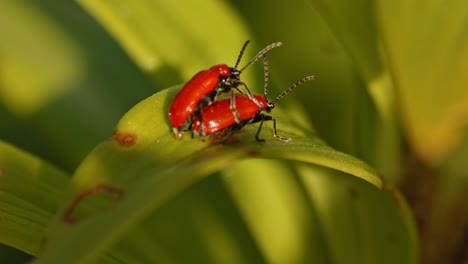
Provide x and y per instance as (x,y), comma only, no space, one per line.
(380,223)
(353,25)
(30,193)
(143,166)
(59,70)
(311,214)
(156,37)
(427,50)
(258,212)
(26,84)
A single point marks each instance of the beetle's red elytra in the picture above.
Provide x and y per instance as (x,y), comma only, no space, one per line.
(196,93)
(205,87)
(225,117)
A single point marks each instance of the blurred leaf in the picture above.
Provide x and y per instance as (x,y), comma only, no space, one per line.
(277,211)
(200,225)
(321,216)
(30,192)
(71,107)
(144,165)
(155,36)
(259,212)
(426,45)
(353,25)
(380,223)
(34,75)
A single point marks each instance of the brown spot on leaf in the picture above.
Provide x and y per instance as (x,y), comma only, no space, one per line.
(104,197)
(125,139)
(2,172)
(43,244)
(253,152)
(353,192)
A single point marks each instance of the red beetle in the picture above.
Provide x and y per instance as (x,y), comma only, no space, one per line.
(203,89)
(223,118)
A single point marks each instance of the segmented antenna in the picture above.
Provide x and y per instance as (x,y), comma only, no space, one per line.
(241,53)
(261,53)
(298,83)
(265,74)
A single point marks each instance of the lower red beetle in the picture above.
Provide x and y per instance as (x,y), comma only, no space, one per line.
(224,117)
(203,89)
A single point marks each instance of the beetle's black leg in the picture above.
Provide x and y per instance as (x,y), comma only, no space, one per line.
(261,118)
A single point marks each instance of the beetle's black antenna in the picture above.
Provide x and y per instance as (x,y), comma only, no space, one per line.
(261,53)
(292,87)
(241,53)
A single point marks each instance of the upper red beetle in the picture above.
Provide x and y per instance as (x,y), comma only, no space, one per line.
(203,89)
(223,118)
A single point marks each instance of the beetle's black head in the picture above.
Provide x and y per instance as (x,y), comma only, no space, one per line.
(235,75)
(269,106)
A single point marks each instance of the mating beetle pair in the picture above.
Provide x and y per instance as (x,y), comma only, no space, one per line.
(196,107)
(205,87)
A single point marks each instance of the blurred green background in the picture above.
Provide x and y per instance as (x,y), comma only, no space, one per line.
(391,89)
